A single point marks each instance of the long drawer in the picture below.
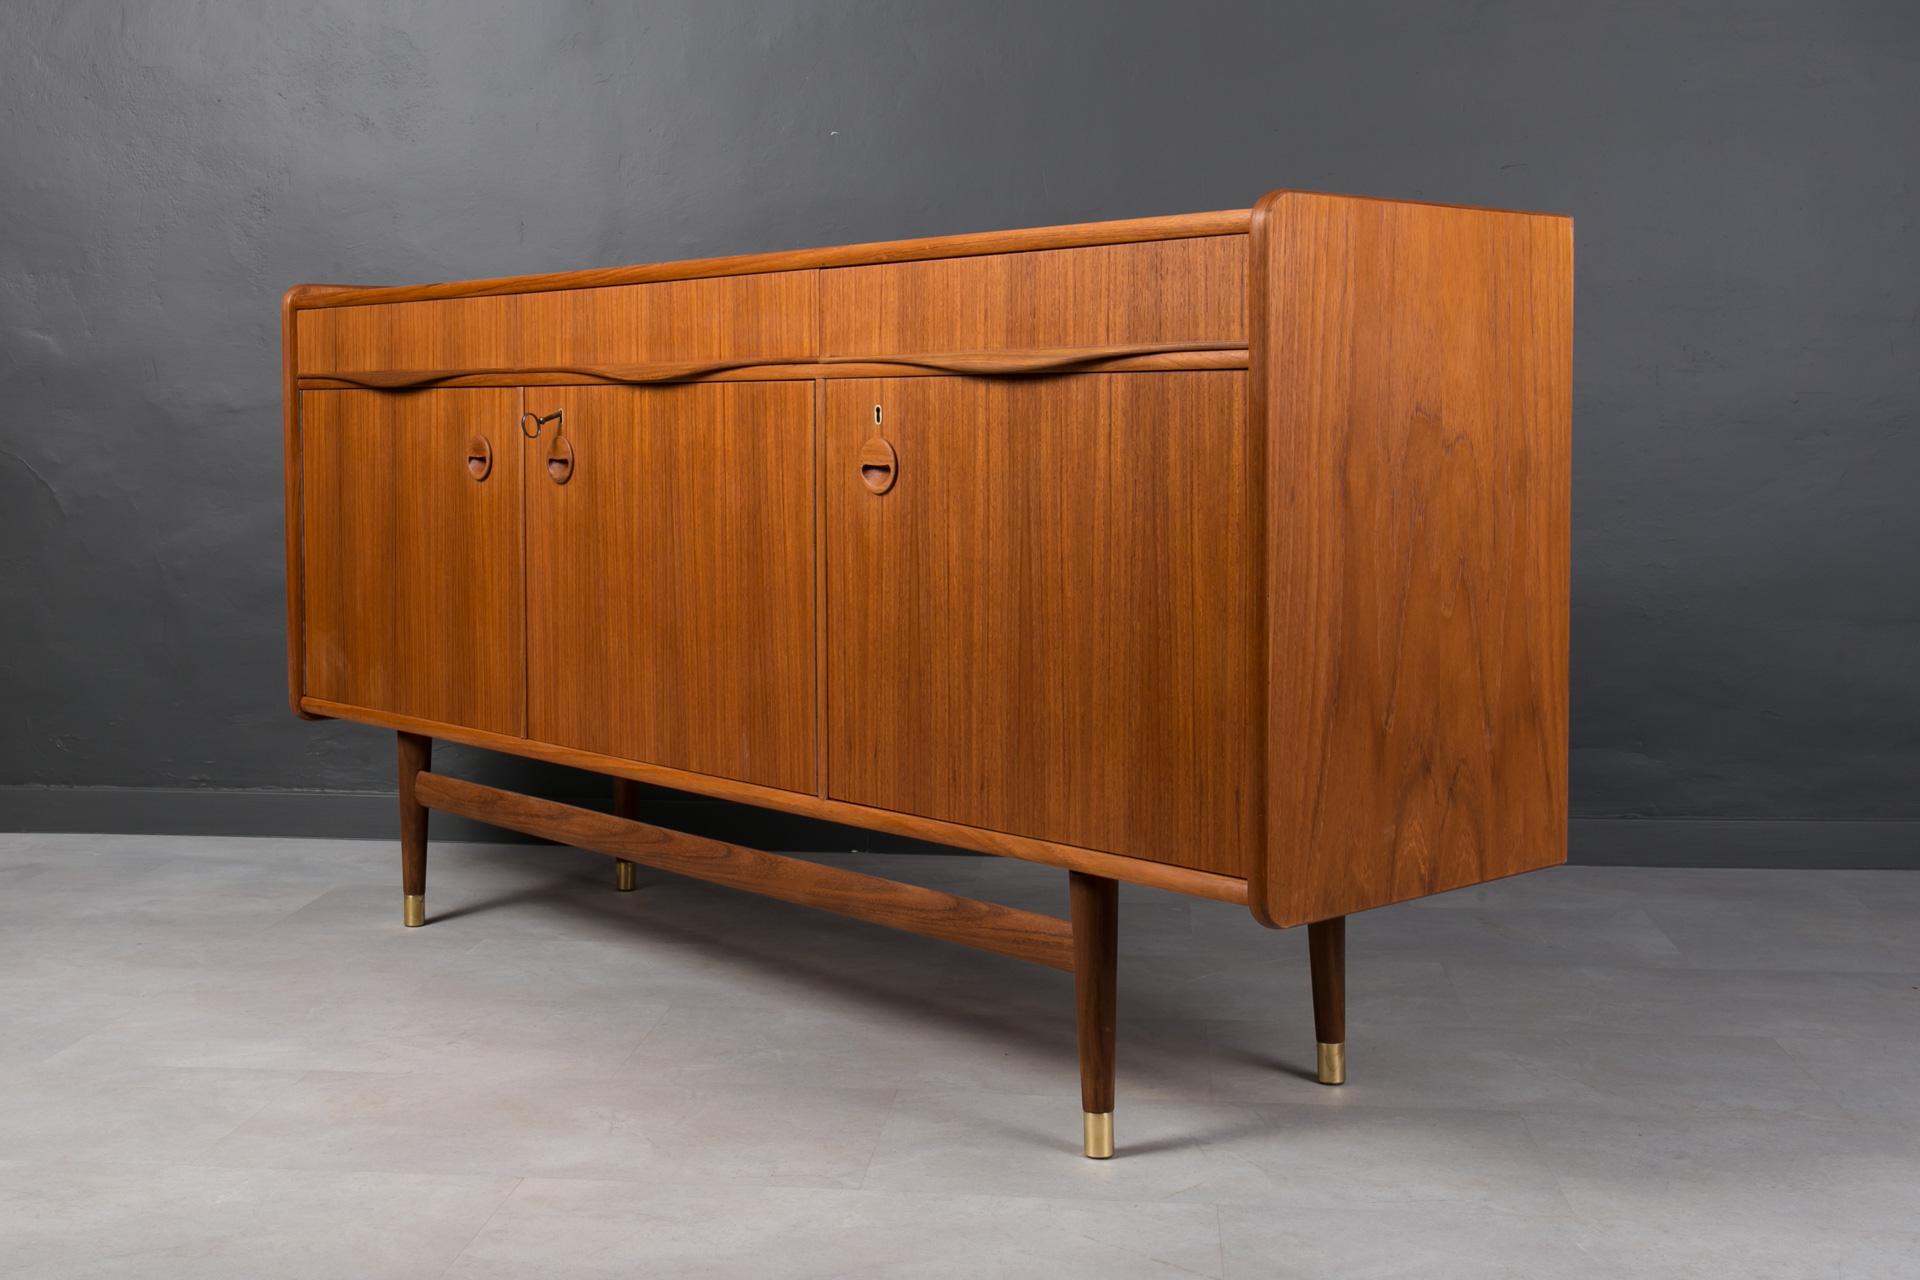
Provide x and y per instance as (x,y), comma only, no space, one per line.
(1158,291)
(769,316)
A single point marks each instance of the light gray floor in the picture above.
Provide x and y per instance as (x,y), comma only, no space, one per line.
(225,1058)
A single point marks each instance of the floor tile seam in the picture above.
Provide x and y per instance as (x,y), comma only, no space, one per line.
(453,1259)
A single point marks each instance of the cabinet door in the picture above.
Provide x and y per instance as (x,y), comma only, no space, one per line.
(671,577)
(413,568)
(1045,625)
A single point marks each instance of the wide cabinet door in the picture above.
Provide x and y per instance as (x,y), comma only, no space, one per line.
(1040,599)
(670,576)
(411,535)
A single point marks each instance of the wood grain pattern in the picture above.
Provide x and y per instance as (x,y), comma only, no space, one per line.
(1024,935)
(1412,388)
(1134,358)
(290,484)
(459,333)
(1095,909)
(727,318)
(1041,629)
(347,532)
(1199,884)
(1308,632)
(414,590)
(670,581)
(712,321)
(1327,967)
(1123,231)
(415,752)
(1163,291)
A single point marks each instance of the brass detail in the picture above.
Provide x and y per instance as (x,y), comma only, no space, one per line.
(623,875)
(558,417)
(416,914)
(1333,1063)
(1099,1134)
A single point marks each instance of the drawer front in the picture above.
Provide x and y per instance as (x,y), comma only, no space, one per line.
(455,333)
(1159,291)
(753,317)
(760,317)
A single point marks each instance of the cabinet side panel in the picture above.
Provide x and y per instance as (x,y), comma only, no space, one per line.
(1412,372)
(292,519)
(347,532)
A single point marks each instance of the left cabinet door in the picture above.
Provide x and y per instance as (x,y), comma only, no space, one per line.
(411,527)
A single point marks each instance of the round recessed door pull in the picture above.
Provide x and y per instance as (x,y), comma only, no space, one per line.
(560,459)
(479,458)
(879,465)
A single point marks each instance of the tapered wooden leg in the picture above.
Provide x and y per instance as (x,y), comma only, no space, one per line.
(416,754)
(1327,955)
(1096,953)
(626,804)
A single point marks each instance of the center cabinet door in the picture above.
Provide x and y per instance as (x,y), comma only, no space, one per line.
(1040,620)
(670,576)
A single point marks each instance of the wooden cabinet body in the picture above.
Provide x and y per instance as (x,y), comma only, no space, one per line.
(1225,553)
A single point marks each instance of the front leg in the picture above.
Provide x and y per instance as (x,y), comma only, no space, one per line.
(416,754)
(1327,956)
(1095,902)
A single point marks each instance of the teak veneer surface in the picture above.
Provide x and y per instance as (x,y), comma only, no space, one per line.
(670,580)
(1162,291)
(1016,240)
(1413,389)
(1127,358)
(414,591)
(727,319)
(1041,628)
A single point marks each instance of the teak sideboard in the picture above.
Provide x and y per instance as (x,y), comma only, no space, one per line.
(1224,553)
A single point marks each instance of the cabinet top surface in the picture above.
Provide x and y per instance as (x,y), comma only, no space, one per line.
(1181,226)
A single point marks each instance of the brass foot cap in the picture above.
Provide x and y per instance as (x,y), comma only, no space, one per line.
(416,910)
(1333,1063)
(1099,1134)
(623,876)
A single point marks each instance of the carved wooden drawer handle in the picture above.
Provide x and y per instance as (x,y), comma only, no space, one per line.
(560,459)
(479,458)
(879,466)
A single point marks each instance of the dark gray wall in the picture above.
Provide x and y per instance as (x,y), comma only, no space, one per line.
(1746,543)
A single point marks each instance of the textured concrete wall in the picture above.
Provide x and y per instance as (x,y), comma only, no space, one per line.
(1746,543)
